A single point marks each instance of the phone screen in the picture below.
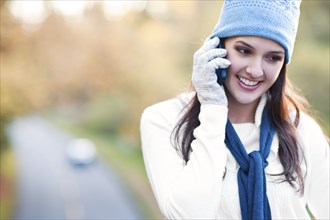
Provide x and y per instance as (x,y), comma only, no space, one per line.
(221,73)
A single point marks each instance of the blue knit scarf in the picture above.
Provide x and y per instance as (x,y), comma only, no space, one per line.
(251,175)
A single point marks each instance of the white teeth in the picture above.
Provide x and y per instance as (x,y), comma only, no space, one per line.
(248,82)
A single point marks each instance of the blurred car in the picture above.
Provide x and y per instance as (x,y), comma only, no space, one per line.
(81,151)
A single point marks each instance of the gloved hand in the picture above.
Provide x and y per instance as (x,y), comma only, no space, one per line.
(206,60)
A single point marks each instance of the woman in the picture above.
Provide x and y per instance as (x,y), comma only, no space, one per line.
(246,149)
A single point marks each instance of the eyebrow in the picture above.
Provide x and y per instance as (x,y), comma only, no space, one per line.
(248,45)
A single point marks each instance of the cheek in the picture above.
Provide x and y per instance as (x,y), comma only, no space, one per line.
(237,64)
(272,74)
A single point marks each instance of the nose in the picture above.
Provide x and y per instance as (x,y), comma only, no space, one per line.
(254,68)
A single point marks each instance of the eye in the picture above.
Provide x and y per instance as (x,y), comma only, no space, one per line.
(275,58)
(243,51)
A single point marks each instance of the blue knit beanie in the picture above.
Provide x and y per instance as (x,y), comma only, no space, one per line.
(273,19)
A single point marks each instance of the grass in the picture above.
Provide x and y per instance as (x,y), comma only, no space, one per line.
(7,184)
(125,159)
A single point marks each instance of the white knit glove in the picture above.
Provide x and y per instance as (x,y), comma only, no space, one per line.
(206,60)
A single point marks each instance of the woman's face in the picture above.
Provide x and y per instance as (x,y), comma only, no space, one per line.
(255,65)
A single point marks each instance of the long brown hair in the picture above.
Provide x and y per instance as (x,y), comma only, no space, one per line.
(283,98)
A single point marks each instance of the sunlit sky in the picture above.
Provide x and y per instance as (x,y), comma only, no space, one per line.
(30,12)
(36,11)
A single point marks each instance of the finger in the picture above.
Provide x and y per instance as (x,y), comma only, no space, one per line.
(212,54)
(219,63)
(207,39)
(208,45)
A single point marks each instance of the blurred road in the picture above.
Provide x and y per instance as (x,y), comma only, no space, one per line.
(50,187)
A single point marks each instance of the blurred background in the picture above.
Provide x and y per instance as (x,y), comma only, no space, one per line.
(80,73)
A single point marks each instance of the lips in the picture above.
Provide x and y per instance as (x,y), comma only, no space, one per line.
(247,82)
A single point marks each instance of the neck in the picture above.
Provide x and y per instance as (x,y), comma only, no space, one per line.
(241,113)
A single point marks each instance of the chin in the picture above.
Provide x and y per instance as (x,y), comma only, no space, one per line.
(246,99)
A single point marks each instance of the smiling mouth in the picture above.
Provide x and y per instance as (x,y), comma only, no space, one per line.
(247,82)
